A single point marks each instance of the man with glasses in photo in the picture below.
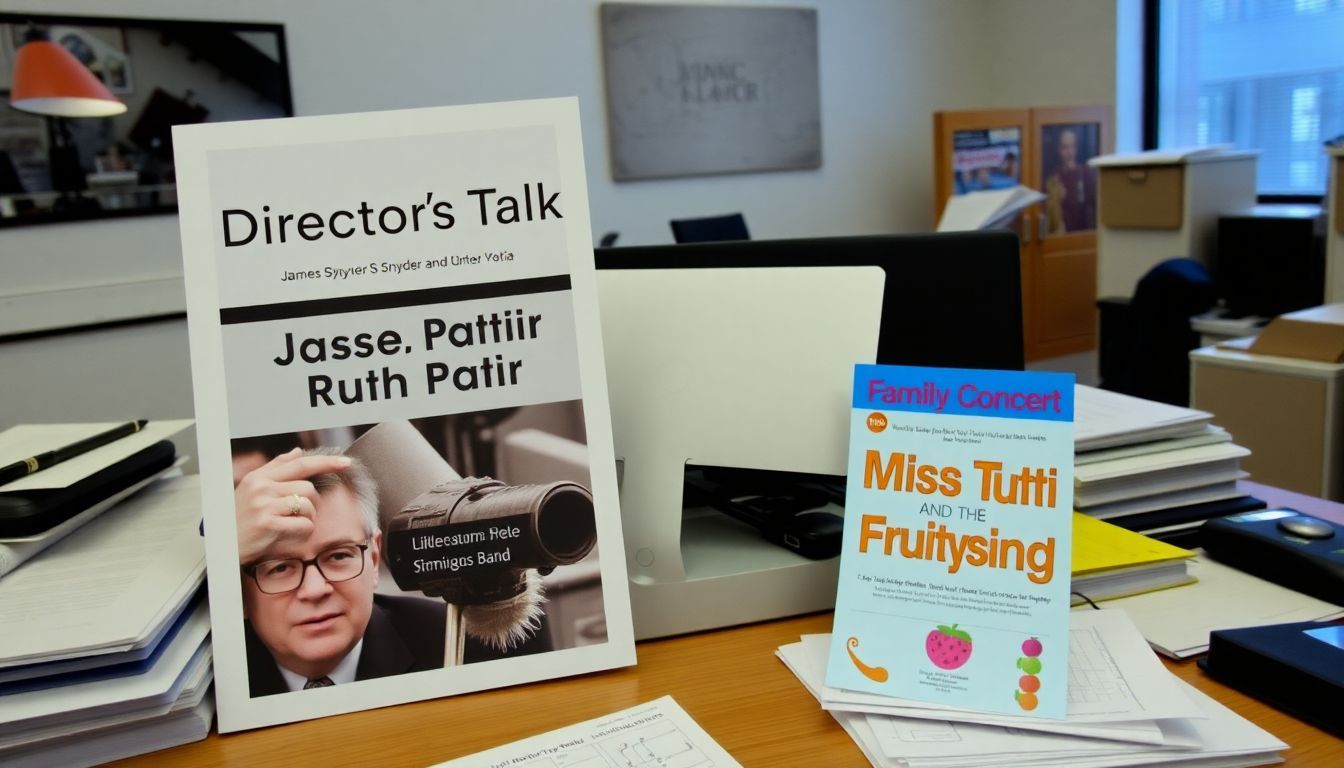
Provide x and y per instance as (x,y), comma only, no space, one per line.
(309,546)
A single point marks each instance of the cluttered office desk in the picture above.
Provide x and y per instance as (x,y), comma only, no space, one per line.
(728,680)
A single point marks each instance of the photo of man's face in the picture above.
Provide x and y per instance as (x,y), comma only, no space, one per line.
(311,628)
(1068,148)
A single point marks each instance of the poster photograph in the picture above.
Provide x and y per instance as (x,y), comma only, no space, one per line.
(1069,183)
(407,471)
(988,158)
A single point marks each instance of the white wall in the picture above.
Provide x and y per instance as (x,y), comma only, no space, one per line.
(1046,53)
(886,66)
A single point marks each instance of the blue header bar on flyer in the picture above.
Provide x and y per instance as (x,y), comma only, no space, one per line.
(1003,394)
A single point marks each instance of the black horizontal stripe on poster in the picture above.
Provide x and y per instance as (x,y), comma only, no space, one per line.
(260,313)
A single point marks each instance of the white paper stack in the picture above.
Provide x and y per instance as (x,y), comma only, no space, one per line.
(25,440)
(986,209)
(1125,709)
(1177,622)
(114,658)
(1135,457)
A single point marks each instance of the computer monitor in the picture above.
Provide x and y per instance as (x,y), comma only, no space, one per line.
(741,355)
(952,300)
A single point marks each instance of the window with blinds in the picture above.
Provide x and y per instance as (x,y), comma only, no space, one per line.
(1257,74)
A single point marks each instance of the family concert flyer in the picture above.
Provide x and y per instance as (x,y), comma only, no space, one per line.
(407,472)
(954,571)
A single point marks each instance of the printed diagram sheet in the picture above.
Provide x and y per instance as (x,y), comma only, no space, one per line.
(1094,678)
(655,735)
(656,746)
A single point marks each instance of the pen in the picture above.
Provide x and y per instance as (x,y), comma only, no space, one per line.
(24,467)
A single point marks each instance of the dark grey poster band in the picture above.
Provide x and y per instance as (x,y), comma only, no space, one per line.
(260,313)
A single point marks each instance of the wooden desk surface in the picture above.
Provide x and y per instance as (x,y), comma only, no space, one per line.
(728,680)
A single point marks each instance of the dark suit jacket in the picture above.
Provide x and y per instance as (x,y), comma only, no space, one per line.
(405,634)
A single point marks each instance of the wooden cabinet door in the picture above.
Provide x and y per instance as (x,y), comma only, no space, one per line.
(1059,251)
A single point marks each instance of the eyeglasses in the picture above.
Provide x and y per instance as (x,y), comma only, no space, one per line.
(336,564)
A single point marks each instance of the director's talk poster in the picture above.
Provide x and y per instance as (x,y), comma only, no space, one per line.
(407,471)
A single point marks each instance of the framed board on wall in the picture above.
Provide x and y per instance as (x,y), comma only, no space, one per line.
(695,90)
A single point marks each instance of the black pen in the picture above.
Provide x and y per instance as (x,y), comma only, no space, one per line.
(25,467)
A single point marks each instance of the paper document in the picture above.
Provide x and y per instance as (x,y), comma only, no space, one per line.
(804,660)
(110,744)
(906,738)
(1173,500)
(108,586)
(1163,156)
(1209,436)
(1166,481)
(19,442)
(658,733)
(15,552)
(1140,467)
(1104,419)
(160,685)
(195,686)
(1113,677)
(985,209)
(1221,738)
(1177,622)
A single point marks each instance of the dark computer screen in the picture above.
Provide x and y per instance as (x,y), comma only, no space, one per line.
(951,300)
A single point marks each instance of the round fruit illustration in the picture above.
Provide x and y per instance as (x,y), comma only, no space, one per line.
(1029,664)
(1031,648)
(948,647)
(1026,701)
(1029,683)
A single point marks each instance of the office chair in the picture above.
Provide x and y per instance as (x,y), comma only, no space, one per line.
(1145,346)
(711,229)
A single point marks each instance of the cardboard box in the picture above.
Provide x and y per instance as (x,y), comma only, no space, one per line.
(1309,334)
(1142,197)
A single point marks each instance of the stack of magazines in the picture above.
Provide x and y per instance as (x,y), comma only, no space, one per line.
(1125,709)
(106,650)
(1151,467)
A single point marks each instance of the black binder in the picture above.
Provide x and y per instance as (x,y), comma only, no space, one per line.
(1293,667)
(27,513)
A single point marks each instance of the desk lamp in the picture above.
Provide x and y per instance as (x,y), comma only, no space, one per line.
(50,81)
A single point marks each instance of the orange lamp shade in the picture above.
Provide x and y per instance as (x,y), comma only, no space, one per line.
(49,80)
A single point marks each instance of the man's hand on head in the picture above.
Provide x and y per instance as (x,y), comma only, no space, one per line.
(275,502)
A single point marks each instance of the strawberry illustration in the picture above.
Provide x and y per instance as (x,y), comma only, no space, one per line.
(948,647)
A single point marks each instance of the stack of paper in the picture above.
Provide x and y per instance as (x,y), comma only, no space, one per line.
(114,656)
(1177,622)
(1110,561)
(1104,419)
(986,209)
(73,492)
(1125,709)
(1135,457)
